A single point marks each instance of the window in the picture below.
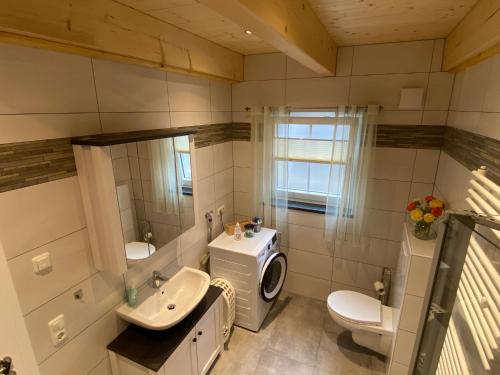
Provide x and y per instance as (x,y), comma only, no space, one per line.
(183,163)
(315,145)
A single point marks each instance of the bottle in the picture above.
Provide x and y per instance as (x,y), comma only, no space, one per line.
(132,295)
(237,232)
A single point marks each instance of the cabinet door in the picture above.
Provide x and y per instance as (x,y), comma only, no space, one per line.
(209,339)
(183,360)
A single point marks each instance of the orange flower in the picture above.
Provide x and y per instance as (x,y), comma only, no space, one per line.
(437,211)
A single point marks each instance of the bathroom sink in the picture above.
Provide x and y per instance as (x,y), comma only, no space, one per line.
(162,308)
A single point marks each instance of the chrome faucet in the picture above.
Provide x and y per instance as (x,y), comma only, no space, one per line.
(157,279)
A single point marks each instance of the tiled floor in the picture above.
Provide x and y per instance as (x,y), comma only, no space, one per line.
(297,337)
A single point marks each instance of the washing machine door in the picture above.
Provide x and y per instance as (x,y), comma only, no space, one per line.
(272,277)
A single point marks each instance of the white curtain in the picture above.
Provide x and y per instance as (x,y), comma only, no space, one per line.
(163,176)
(269,189)
(355,134)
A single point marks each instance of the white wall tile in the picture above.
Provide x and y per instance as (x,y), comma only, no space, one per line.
(204,157)
(103,368)
(439,91)
(33,127)
(126,122)
(354,273)
(180,119)
(393,163)
(36,215)
(242,116)
(344,61)
(243,178)
(129,88)
(404,57)
(295,69)
(383,224)
(307,219)
(410,313)
(56,82)
(398,369)
(222,117)
(308,239)
(339,286)
(437,55)
(403,349)
(71,263)
(255,93)
(489,125)
(242,204)
(452,181)
(470,87)
(206,192)
(317,92)
(418,275)
(492,95)
(420,190)
(468,121)
(87,350)
(374,251)
(100,293)
(434,117)
(265,66)
(425,165)
(384,89)
(223,156)
(387,195)
(307,263)
(392,117)
(220,96)
(307,286)
(188,93)
(228,202)
(242,154)
(223,182)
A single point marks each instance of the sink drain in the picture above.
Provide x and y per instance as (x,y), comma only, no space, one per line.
(171,306)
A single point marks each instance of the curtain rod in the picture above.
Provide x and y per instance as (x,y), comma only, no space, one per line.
(306,109)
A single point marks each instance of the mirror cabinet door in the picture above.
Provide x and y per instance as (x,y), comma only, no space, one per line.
(154,190)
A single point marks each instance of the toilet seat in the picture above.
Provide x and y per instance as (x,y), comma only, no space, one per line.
(360,312)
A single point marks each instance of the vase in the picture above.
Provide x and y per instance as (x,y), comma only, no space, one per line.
(424,231)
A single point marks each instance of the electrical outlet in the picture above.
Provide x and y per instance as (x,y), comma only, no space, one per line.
(220,210)
(57,329)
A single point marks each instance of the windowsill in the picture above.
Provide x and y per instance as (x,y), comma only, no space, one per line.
(307,207)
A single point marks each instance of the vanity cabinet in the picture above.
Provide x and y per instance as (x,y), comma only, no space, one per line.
(190,348)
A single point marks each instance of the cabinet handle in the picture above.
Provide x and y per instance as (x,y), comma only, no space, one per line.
(194,340)
(200,333)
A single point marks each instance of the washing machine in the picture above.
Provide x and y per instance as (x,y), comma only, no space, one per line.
(255,268)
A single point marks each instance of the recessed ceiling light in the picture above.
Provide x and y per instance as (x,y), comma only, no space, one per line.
(248,32)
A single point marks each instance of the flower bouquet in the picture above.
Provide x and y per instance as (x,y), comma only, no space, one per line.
(423,213)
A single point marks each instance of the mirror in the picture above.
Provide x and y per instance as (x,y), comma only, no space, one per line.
(155,193)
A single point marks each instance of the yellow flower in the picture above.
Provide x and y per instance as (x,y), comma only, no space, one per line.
(429,218)
(435,203)
(416,214)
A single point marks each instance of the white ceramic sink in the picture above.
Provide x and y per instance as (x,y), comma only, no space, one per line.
(154,306)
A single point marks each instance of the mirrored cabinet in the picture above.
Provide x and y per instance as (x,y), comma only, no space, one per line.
(137,193)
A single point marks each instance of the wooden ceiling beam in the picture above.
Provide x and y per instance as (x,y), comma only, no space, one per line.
(290,26)
(110,30)
(475,38)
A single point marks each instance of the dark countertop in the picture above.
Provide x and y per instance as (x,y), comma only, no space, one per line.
(127,137)
(151,349)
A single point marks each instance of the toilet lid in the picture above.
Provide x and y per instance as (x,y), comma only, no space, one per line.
(356,307)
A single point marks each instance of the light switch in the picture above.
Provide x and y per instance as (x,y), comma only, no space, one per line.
(57,329)
(41,262)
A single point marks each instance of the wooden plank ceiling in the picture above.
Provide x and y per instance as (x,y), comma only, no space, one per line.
(354,22)
(350,22)
(199,19)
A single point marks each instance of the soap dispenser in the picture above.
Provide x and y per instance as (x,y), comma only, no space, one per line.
(237,232)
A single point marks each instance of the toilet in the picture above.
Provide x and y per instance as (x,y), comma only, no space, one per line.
(369,321)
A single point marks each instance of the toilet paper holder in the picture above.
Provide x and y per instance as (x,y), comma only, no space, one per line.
(383,286)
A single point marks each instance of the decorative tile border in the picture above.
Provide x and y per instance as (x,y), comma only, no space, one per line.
(409,136)
(25,164)
(30,163)
(473,151)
